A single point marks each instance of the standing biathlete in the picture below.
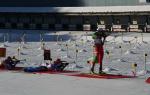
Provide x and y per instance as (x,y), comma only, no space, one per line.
(99,39)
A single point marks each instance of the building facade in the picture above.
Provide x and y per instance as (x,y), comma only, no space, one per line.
(70,3)
(74,15)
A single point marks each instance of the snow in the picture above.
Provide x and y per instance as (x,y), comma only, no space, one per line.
(119,61)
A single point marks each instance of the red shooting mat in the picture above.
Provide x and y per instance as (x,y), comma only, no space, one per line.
(102,76)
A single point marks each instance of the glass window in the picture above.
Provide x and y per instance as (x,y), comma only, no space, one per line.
(14,25)
(38,26)
(2,25)
(26,25)
(148,1)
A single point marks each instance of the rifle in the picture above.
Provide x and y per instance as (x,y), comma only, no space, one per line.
(18,61)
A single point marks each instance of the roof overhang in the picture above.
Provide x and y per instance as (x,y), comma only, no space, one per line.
(103,10)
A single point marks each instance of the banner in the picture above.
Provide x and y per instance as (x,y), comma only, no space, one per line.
(148,26)
(117,26)
(86,27)
(134,26)
(47,55)
(2,52)
(101,26)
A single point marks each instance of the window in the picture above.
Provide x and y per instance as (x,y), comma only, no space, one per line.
(2,25)
(148,1)
(51,26)
(144,1)
(38,26)
(26,25)
(117,21)
(58,20)
(14,25)
(86,21)
(148,20)
(65,27)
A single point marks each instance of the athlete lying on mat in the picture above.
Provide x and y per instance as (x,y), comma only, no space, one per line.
(57,65)
(10,63)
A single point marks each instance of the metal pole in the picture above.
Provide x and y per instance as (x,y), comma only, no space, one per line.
(4,39)
(76,56)
(67,50)
(136,39)
(115,38)
(82,41)
(76,52)
(43,46)
(57,38)
(108,54)
(130,43)
(18,51)
(145,62)
(122,36)
(120,49)
(142,36)
(61,42)
(23,40)
(23,37)
(8,37)
(86,35)
(40,37)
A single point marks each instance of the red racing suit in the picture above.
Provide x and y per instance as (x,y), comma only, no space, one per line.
(99,53)
(99,39)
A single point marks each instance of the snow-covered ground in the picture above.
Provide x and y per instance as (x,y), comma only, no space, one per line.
(125,49)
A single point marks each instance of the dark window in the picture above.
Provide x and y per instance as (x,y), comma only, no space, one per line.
(26,25)
(86,21)
(65,27)
(51,26)
(32,20)
(79,27)
(7,19)
(14,25)
(93,27)
(2,25)
(117,21)
(38,26)
(148,1)
(57,20)
(148,20)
